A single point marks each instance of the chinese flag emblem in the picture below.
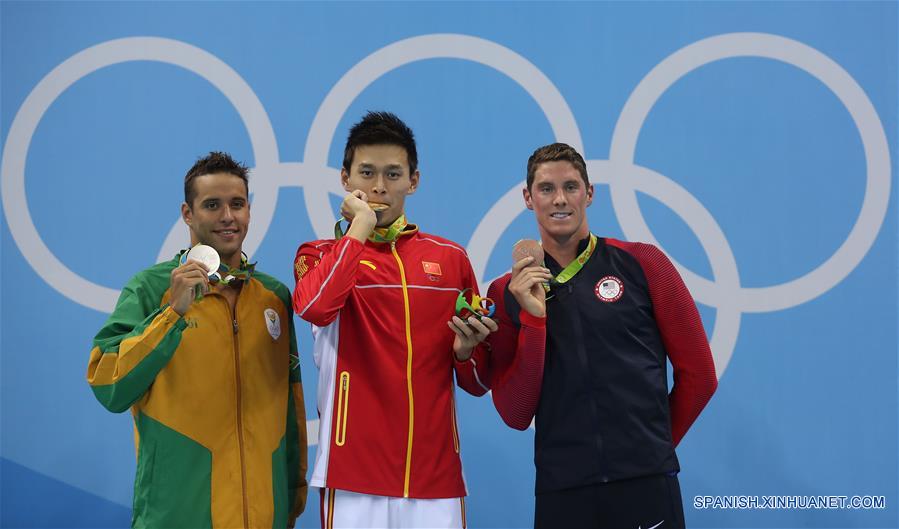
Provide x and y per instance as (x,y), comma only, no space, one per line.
(432,269)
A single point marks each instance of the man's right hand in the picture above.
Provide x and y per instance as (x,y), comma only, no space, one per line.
(527,286)
(362,218)
(183,285)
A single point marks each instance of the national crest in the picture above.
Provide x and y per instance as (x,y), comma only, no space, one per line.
(272,323)
(609,289)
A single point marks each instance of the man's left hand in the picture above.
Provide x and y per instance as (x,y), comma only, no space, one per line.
(469,333)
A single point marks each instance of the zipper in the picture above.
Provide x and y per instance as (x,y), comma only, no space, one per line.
(343,401)
(408,367)
(243,465)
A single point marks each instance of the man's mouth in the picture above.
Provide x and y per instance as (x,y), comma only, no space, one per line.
(560,215)
(226,233)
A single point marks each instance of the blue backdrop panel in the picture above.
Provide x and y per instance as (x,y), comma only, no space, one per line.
(755,142)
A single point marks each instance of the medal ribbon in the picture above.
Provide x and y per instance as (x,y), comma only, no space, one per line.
(388,234)
(574,266)
(225,274)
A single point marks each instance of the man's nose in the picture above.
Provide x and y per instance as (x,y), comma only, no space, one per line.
(379,186)
(227,214)
(559,198)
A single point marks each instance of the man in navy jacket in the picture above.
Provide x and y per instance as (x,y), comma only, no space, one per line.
(587,356)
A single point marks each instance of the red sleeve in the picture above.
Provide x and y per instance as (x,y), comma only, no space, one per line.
(325,273)
(516,369)
(683,335)
(472,374)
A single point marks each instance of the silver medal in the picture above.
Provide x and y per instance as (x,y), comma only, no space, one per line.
(205,255)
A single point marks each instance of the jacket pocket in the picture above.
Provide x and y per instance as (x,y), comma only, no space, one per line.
(343,402)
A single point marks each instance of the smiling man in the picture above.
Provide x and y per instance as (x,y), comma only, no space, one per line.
(207,362)
(611,317)
(381,300)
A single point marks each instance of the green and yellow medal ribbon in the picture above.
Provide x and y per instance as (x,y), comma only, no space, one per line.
(388,234)
(574,266)
(225,274)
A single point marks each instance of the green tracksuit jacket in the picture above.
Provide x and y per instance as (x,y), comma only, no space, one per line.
(217,402)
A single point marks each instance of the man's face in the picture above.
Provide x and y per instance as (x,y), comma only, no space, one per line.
(559,199)
(382,173)
(220,214)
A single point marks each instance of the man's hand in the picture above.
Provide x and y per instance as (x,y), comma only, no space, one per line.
(469,334)
(185,280)
(362,218)
(527,286)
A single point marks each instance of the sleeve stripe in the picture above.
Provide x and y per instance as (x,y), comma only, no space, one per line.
(422,287)
(476,377)
(111,367)
(453,246)
(326,281)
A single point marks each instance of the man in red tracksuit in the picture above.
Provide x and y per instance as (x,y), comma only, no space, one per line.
(380,298)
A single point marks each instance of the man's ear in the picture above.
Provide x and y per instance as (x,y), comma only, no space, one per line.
(415,178)
(527,198)
(345,180)
(590,191)
(186,213)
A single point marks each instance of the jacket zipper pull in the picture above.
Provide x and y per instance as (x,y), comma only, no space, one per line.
(234,325)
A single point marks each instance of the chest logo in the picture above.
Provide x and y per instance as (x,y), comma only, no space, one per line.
(432,269)
(272,323)
(609,289)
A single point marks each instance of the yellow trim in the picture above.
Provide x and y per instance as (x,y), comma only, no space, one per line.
(453,410)
(368,264)
(330,522)
(343,401)
(408,367)
(462,501)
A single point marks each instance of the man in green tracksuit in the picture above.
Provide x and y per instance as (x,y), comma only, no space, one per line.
(208,366)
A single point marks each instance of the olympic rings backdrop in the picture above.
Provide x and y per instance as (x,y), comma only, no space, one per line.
(755,143)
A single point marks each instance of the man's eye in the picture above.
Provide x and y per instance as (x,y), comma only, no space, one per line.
(571,187)
(365,172)
(546,189)
(211,205)
(393,175)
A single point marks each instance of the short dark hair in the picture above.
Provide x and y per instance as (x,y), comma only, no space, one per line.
(556,152)
(380,128)
(212,163)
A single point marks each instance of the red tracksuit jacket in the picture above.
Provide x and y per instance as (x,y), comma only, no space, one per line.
(385,359)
